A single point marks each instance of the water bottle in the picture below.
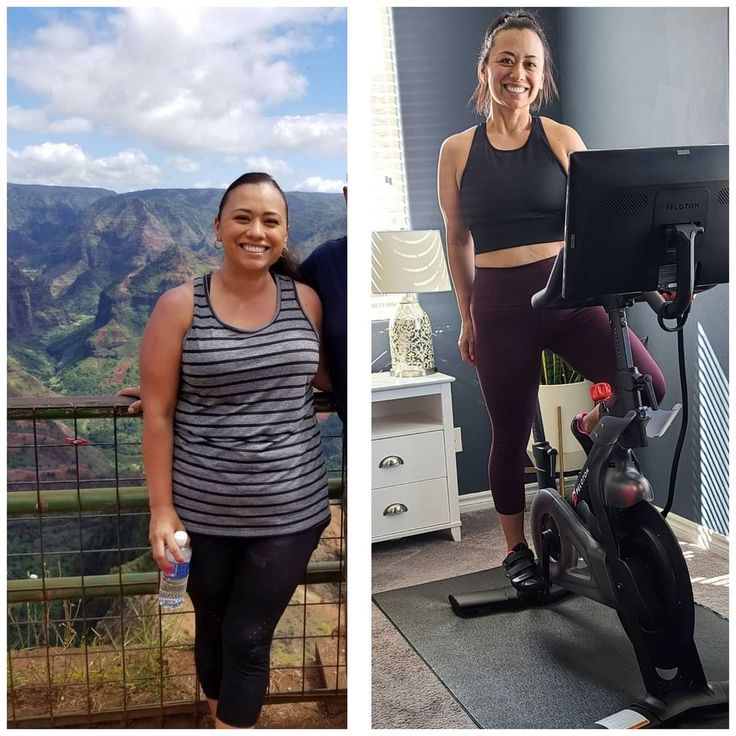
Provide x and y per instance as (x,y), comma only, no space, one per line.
(173,583)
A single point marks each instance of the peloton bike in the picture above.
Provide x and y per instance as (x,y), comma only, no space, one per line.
(639,223)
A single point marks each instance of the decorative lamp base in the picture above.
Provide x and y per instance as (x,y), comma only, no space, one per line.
(410,340)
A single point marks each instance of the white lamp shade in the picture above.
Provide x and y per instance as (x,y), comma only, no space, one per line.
(408,261)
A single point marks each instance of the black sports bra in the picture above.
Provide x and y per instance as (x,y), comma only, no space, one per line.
(515,197)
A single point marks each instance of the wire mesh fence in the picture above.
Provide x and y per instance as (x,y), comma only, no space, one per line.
(87,641)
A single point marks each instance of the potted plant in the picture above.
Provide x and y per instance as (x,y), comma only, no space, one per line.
(563,393)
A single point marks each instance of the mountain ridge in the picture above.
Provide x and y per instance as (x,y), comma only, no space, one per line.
(86,266)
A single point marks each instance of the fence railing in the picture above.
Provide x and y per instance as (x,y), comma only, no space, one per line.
(87,642)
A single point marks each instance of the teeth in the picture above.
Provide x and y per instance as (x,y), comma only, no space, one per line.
(254,248)
(512,88)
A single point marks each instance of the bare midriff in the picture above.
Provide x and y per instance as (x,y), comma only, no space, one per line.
(518,256)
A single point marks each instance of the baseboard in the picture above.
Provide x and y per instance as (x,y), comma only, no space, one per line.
(685,529)
(694,533)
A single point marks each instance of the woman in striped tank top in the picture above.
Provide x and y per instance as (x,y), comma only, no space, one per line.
(231,445)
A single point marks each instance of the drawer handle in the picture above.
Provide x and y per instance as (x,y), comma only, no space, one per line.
(394,509)
(392,461)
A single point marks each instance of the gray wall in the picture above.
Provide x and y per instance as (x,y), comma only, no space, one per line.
(628,78)
(659,77)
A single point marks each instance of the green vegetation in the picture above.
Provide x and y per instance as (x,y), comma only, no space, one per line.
(555,371)
(86,266)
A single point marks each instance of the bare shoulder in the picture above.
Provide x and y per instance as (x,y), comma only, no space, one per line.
(453,159)
(562,137)
(311,304)
(176,305)
(179,296)
(457,145)
(309,299)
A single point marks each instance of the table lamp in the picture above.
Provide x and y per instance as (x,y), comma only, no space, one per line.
(409,262)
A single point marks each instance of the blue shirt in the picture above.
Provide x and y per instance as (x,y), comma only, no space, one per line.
(326,271)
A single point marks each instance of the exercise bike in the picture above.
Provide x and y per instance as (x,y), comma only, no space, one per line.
(607,541)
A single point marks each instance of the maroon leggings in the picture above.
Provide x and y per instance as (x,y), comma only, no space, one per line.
(510,336)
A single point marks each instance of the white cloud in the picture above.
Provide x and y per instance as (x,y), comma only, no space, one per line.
(275,167)
(63,164)
(194,79)
(319,133)
(183,164)
(318,184)
(35,121)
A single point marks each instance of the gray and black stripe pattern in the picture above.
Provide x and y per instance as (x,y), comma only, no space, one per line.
(247,449)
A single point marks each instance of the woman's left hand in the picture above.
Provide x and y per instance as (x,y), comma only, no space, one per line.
(135,392)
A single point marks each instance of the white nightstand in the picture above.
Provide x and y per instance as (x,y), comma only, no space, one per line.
(414,475)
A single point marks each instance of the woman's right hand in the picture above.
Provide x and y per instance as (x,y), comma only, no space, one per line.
(466,342)
(164,522)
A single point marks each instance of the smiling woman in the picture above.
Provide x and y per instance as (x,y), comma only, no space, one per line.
(502,189)
(231,446)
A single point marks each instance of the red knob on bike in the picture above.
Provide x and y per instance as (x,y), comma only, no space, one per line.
(601,392)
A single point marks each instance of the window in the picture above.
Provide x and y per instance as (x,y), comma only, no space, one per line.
(389,209)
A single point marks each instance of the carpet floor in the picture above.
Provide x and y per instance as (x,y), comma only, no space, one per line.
(407,693)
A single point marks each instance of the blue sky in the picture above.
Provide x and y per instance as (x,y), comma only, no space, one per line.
(140,98)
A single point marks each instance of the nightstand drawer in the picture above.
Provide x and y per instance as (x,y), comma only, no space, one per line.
(408,458)
(410,507)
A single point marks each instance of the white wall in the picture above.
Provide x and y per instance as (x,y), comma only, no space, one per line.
(634,77)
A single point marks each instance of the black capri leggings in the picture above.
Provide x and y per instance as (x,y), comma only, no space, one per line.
(240,588)
(510,336)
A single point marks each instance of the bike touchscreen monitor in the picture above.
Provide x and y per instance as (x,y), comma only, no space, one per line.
(621,208)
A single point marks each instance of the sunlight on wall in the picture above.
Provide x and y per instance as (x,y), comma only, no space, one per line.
(713,438)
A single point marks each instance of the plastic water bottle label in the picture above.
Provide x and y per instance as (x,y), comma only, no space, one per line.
(177,571)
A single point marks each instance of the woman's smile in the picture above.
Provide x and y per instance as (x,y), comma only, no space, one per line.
(515,88)
(253,226)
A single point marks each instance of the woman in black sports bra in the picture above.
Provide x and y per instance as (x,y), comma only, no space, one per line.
(502,187)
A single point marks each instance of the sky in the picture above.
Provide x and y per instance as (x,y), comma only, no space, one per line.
(141,98)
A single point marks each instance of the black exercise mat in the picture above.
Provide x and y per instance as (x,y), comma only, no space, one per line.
(564,665)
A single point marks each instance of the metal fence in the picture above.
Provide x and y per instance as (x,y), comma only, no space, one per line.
(87,641)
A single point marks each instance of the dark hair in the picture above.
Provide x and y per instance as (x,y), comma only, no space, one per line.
(253,177)
(286,264)
(514,20)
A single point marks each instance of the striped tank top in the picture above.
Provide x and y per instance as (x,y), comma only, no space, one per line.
(248,459)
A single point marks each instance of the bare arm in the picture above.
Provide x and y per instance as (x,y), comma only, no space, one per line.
(573,141)
(563,140)
(313,307)
(160,360)
(460,253)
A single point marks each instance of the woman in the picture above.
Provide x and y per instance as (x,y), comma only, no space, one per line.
(502,187)
(231,445)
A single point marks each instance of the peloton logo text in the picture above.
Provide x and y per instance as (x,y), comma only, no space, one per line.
(579,486)
(681,206)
